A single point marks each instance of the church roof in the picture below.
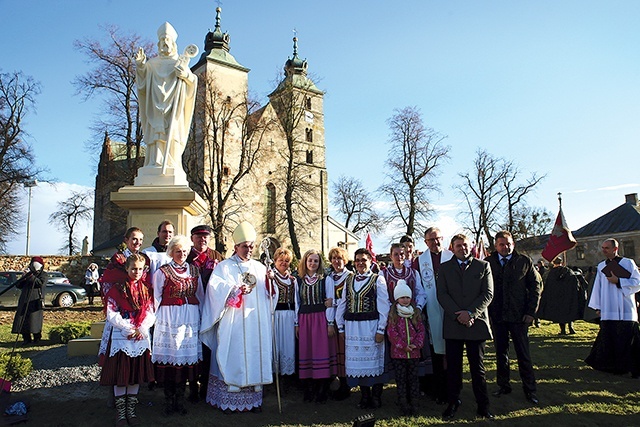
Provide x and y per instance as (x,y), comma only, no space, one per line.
(295,74)
(624,218)
(216,48)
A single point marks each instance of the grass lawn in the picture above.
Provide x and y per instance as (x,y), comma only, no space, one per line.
(571,394)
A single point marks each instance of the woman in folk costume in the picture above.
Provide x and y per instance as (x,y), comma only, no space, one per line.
(406,334)
(117,273)
(314,329)
(236,321)
(177,292)
(361,316)
(30,312)
(129,306)
(285,315)
(335,283)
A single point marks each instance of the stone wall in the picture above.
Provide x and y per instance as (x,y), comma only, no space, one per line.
(73,267)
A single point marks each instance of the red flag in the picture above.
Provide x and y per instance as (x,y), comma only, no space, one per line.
(369,246)
(479,250)
(560,239)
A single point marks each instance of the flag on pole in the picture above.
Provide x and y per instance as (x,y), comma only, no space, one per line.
(369,246)
(560,239)
(479,250)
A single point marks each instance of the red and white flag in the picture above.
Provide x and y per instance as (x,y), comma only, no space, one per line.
(560,240)
(368,244)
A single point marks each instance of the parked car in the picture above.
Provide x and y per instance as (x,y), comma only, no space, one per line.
(57,277)
(59,291)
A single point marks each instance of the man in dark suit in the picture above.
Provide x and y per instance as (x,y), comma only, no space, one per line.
(516,297)
(465,289)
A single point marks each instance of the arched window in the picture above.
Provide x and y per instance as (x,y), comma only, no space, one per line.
(308,103)
(310,157)
(309,134)
(270,211)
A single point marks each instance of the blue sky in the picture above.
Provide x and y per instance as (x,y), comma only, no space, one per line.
(551,85)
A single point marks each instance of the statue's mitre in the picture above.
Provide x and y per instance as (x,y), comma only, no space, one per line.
(167,29)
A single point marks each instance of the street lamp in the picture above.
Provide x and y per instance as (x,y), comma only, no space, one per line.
(29,185)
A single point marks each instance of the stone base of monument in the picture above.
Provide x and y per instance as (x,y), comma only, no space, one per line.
(87,346)
(153,176)
(149,205)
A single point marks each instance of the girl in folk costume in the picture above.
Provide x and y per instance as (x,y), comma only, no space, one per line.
(129,307)
(335,283)
(178,292)
(406,334)
(285,315)
(361,316)
(116,272)
(314,329)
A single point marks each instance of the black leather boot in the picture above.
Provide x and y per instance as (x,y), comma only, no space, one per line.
(376,399)
(178,399)
(365,400)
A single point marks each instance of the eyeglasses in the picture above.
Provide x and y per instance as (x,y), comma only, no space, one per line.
(361,260)
(434,239)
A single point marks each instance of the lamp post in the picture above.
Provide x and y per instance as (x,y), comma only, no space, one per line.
(29,185)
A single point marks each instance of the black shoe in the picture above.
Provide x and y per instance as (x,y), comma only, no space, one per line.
(502,390)
(485,413)
(451,410)
(532,398)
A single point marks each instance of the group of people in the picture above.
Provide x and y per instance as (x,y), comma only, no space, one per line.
(178,313)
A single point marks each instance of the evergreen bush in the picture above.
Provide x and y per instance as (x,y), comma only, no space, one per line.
(69,331)
(14,368)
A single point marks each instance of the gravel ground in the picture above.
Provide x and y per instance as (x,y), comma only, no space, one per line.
(52,368)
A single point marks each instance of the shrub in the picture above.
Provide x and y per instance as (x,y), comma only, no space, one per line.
(69,331)
(19,367)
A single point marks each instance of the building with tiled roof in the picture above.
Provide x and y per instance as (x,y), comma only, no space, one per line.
(621,223)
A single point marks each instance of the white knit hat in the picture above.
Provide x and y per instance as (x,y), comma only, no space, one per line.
(401,290)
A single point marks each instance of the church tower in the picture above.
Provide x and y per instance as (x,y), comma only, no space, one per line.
(298,104)
(265,165)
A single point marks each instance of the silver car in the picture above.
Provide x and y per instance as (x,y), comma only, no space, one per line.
(59,291)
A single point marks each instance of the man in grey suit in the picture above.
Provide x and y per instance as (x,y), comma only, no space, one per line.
(465,289)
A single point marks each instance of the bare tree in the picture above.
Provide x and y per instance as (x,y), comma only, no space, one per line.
(483,193)
(113,78)
(531,221)
(17,162)
(75,209)
(415,155)
(515,193)
(355,204)
(223,149)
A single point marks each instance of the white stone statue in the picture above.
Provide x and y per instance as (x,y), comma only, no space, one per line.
(166,99)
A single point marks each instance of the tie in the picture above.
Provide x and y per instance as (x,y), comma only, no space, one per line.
(504,261)
(463,265)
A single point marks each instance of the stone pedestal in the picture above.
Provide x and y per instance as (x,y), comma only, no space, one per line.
(149,205)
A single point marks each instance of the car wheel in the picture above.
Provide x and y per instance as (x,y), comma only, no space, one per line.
(65,299)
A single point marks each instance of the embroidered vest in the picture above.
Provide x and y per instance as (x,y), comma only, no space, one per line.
(362,304)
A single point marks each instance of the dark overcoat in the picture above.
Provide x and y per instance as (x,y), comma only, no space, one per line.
(517,288)
(30,314)
(471,290)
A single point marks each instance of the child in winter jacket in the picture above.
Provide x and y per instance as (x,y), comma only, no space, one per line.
(406,334)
